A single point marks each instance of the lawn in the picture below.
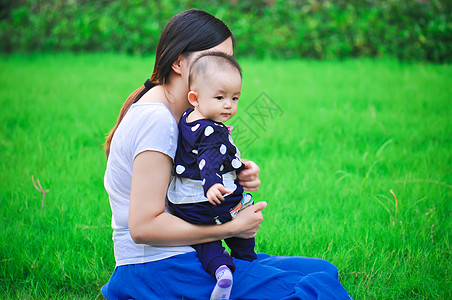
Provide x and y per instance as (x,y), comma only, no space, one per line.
(355,157)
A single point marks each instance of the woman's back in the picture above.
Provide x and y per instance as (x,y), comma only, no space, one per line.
(147,126)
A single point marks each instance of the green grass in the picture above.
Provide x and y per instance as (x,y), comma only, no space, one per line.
(343,136)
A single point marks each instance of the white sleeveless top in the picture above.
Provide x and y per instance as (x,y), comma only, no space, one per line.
(146,126)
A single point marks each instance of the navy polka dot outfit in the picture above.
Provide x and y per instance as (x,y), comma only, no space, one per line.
(206,153)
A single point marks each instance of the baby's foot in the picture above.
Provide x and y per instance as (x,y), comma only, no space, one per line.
(223,287)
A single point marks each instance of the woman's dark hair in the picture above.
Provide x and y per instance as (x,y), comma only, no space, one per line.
(189,31)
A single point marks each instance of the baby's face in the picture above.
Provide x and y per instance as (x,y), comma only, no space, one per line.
(218,96)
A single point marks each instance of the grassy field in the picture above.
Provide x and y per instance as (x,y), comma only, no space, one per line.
(356,160)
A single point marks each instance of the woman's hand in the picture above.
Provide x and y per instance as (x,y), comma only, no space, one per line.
(249,178)
(248,221)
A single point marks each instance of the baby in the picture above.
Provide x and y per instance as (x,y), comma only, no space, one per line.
(204,189)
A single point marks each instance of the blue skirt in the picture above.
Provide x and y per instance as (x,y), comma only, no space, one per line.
(268,277)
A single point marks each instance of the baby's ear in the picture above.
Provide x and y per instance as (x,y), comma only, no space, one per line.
(193,98)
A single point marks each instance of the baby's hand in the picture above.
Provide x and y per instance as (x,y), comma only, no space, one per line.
(215,193)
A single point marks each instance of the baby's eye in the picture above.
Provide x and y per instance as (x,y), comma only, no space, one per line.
(235,98)
(219,97)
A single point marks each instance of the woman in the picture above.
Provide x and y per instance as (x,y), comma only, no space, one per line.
(153,260)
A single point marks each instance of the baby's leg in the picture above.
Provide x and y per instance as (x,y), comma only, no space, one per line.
(218,263)
(213,255)
(242,248)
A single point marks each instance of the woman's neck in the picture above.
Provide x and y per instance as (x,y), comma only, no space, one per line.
(174,98)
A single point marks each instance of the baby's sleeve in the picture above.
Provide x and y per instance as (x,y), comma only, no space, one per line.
(211,156)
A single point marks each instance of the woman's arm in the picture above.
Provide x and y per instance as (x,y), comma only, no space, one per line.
(149,224)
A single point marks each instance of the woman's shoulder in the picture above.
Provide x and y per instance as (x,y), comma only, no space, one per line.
(156,115)
(152,128)
(148,119)
(156,109)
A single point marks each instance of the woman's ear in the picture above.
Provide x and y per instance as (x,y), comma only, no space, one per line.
(178,64)
(193,98)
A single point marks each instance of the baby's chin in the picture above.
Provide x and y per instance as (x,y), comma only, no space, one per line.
(222,119)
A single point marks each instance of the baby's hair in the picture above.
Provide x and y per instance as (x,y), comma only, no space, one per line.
(209,60)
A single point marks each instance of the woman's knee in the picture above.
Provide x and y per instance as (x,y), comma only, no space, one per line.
(304,265)
(328,267)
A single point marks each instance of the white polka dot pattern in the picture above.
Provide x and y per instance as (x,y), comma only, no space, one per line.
(236,163)
(208,131)
(180,169)
(194,128)
(202,163)
(223,149)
